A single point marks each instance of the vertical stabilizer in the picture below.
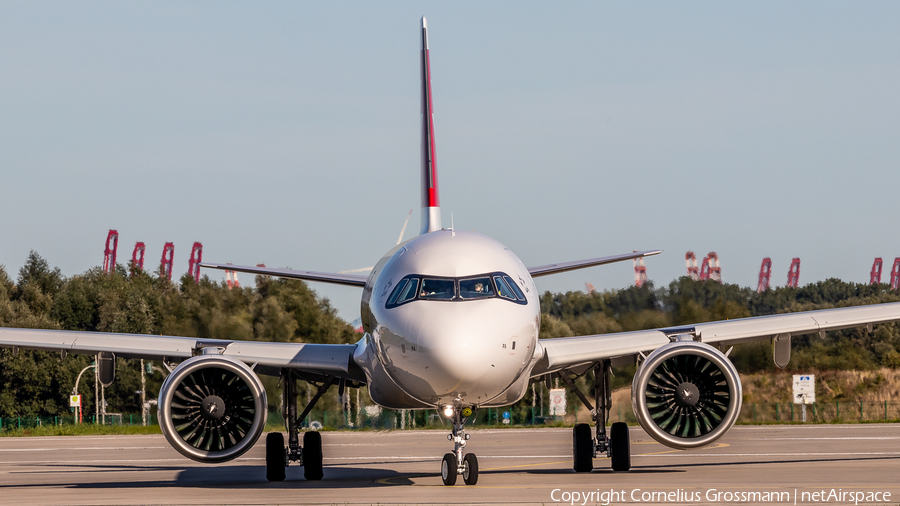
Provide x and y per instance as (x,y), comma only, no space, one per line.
(431,207)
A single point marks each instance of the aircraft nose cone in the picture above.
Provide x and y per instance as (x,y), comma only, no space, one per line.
(461,351)
(466,362)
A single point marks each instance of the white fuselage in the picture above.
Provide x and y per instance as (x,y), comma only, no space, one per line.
(441,326)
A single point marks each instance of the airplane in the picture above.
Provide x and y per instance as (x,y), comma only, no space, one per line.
(451,322)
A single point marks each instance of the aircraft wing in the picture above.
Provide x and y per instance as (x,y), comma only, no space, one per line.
(324,277)
(329,359)
(568,352)
(543,270)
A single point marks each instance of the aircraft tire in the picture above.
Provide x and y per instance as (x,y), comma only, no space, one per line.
(582,448)
(620,447)
(448,469)
(470,475)
(275,456)
(312,456)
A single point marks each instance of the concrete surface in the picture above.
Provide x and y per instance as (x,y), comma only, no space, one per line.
(518,466)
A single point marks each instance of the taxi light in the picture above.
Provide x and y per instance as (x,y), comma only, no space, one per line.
(448,411)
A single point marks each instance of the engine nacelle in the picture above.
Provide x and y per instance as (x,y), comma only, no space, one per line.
(686,394)
(212,408)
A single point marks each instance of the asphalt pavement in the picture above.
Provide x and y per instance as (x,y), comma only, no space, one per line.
(813,464)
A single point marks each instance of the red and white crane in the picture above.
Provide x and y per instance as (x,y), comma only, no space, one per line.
(793,278)
(710,269)
(765,272)
(640,272)
(194,262)
(165,264)
(231,280)
(895,274)
(137,256)
(690,260)
(109,254)
(875,275)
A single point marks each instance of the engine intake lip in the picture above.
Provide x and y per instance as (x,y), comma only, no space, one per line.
(705,414)
(224,397)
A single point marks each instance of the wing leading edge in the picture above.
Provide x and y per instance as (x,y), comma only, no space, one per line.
(324,277)
(567,352)
(543,270)
(270,358)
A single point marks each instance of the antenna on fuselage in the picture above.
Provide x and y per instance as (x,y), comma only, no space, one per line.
(403,230)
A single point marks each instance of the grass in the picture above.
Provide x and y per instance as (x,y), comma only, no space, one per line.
(842,386)
(764,389)
(84,429)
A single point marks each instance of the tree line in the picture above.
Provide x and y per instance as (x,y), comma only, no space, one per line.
(686,301)
(129,300)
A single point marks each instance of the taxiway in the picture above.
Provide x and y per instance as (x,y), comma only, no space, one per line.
(518,466)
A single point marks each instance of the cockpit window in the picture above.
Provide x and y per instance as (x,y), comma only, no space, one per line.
(515,287)
(475,288)
(396,293)
(503,289)
(486,286)
(409,291)
(403,292)
(442,289)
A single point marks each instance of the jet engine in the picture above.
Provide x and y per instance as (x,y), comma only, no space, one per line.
(212,408)
(686,394)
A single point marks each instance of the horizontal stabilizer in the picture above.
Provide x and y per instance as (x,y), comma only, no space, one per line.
(323,277)
(543,270)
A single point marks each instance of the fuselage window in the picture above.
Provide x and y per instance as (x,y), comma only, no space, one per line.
(409,291)
(475,288)
(515,287)
(503,289)
(440,289)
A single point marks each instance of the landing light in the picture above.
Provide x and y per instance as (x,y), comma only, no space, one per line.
(448,411)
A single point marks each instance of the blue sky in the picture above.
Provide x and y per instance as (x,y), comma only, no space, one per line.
(287,132)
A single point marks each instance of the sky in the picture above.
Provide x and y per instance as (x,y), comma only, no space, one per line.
(287,133)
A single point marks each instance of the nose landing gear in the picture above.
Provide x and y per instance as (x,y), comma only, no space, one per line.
(458,463)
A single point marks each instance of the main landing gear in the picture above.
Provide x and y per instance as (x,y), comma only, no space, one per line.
(278,457)
(584,448)
(456,464)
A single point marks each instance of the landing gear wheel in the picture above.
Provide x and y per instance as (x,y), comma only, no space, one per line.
(275,456)
(470,474)
(620,447)
(312,456)
(448,469)
(583,448)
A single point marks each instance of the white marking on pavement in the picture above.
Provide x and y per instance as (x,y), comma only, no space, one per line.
(11,439)
(686,454)
(433,457)
(811,438)
(105,461)
(88,448)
